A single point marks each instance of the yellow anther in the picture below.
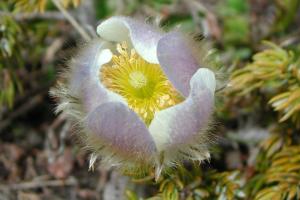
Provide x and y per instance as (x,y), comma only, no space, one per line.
(142,84)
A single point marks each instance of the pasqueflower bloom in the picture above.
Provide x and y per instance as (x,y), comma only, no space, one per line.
(141,96)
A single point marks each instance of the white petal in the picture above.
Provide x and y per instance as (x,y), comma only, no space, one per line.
(206,77)
(85,79)
(143,37)
(177,60)
(179,125)
(121,131)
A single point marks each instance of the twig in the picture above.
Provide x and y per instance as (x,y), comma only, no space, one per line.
(209,24)
(62,136)
(50,15)
(223,87)
(72,21)
(40,184)
(26,94)
(21,110)
(51,141)
(103,179)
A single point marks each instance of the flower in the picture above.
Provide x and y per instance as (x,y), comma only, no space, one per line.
(140,96)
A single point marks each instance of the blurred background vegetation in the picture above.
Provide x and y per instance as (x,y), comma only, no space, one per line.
(257,43)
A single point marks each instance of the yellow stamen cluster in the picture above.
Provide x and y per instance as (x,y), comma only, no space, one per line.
(142,84)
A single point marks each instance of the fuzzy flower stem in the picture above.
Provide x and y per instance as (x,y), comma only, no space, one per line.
(72,20)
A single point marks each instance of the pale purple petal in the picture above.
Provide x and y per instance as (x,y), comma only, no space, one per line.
(177,60)
(181,124)
(144,37)
(85,80)
(121,130)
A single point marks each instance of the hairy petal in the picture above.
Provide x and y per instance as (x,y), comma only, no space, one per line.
(179,125)
(84,78)
(121,131)
(143,37)
(177,61)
